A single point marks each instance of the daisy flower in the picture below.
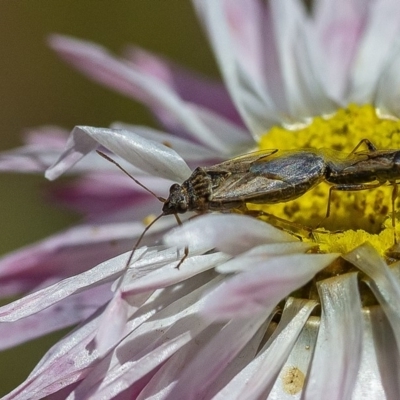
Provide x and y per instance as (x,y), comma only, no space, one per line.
(269,307)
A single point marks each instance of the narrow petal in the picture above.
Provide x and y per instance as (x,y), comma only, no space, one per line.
(71,311)
(383,22)
(370,380)
(338,29)
(197,377)
(232,234)
(339,341)
(111,324)
(304,92)
(190,86)
(255,106)
(147,347)
(383,283)
(262,253)
(70,252)
(257,378)
(42,299)
(290,382)
(150,156)
(121,75)
(169,274)
(188,150)
(268,282)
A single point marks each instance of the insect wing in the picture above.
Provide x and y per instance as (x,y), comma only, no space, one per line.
(242,163)
(272,180)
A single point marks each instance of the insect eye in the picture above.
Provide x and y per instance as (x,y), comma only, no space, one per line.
(174,188)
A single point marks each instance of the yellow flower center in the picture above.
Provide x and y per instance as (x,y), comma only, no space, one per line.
(355,216)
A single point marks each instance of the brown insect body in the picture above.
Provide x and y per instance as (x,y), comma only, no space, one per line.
(365,167)
(258,178)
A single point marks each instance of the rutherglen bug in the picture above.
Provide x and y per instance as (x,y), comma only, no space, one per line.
(364,170)
(262,177)
(272,176)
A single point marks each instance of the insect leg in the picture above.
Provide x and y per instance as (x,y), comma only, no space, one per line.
(395,194)
(371,147)
(186,251)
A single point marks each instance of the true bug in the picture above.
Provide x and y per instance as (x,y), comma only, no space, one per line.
(364,170)
(261,177)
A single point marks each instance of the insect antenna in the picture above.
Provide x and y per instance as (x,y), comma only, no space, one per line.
(161,199)
(130,176)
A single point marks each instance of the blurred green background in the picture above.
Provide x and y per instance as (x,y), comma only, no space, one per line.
(37,89)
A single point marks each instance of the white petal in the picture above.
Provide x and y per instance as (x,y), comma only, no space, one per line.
(254,105)
(100,65)
(264,285)
(147,347)
(147,155)
(383,283)
(256,379)
(196,378)
(169,274)
(338,350)
(260,253)
(111,324)
(37,301)
(290,382)
(189,151)
(371,383)
(388,95)
(375,49)
(304,93)
(232,234)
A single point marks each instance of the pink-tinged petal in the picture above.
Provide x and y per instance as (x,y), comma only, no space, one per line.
(27,161)
(232,234)
(169,274)
(304,92)
(235,138)
(100,194)
(251,27)
(64,364)
(70,252)
(257,378)
(71,359)
(121,75)
(44,298)
(112,324)
(372,383)
(339,340)
(67,312)
(165,379)
(263,252)
(46,136)
(384,283)
(383,22)
(150,156)
(147,347)
(188,150)
(190,86)
(268,282)
(286,386)
(337,30)
(194,381)
(388,100)
(254,104)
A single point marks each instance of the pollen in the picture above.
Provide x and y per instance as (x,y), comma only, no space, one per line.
(355,216)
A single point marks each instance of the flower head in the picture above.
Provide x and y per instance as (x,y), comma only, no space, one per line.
(230,306)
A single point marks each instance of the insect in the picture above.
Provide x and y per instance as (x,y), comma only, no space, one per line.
(261,177)
(268,177)
(364,170)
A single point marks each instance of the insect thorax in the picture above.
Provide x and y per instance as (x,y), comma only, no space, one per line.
(194,193)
